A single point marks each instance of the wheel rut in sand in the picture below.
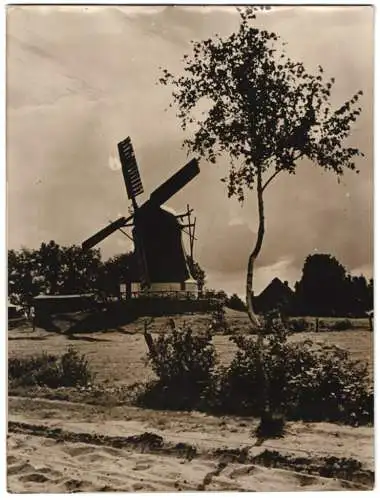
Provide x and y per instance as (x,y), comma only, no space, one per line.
(349,472)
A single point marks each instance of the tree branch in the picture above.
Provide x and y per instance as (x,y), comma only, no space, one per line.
(270,179)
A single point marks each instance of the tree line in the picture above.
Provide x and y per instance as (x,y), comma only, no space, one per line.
(55,269)
(325,287)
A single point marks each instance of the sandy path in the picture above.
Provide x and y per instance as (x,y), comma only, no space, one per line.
(38,464)
(60,447)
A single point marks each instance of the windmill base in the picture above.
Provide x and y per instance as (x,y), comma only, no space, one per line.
(186,290)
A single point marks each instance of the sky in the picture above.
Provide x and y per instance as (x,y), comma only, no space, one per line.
(80,79)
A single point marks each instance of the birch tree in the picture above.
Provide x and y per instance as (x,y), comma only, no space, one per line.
(265,113)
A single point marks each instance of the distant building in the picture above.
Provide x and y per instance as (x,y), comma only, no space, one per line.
(277,295)
(52,304)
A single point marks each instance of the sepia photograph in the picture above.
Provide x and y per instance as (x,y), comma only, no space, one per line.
(189,238)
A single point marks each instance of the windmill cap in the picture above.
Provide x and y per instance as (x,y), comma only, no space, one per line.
(169,209)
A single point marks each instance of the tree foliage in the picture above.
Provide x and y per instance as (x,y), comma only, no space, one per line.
(265,109)
(121,268)
(220,295)
(264,112)
(196,272)
(326,289)
(322,284)
(235,302)
(52,269)
(55,269)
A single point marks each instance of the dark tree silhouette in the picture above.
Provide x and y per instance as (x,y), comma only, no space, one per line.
(79,270)
(24,278)
(52,269)
(360,295)
(196,272)
(264,112)
(235,302)
(326,289)
(369,305)
(216,294)
(322,290)
(122,268)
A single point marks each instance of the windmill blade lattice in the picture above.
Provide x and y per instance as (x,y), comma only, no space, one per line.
(130,169)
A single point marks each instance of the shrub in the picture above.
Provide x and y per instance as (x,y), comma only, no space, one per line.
(219,321)
(70,370)
(303,380)
(74,369)
(341,325)
(184,365)
(239,385)
(298,325)
(322,325)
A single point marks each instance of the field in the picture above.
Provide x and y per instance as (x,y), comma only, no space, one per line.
(118,357)
(61,446)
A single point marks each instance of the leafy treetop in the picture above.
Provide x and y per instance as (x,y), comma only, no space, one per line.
(265,110)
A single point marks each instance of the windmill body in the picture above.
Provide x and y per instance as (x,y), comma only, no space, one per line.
(156,232)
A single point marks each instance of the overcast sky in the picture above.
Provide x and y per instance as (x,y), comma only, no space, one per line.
(80,79)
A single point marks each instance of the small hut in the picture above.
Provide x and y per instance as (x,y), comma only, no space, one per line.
(53,304)
(277,295)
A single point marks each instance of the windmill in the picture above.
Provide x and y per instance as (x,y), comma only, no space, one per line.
(156,231)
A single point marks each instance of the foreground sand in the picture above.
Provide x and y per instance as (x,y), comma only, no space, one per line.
(66,447)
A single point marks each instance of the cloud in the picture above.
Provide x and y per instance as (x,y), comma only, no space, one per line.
(80,80)
(114,163)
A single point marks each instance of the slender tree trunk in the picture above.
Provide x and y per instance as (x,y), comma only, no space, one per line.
(265,412)
(255,253)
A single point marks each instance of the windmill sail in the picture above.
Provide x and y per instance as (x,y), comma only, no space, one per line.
(103,233)
(130,169)
(175,183)
(158,262)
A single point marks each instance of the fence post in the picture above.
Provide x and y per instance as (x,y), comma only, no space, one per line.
(317,325)
(148,339)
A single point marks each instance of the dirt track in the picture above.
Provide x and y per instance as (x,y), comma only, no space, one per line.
(60,447)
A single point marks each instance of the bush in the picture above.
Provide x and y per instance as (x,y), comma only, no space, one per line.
(303,381)
(341,325)
(184,365)
(70,370)
(218,321)
(74,369)
(239,385)
(298,325)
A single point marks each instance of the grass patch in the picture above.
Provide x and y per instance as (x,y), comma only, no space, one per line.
(68,370)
